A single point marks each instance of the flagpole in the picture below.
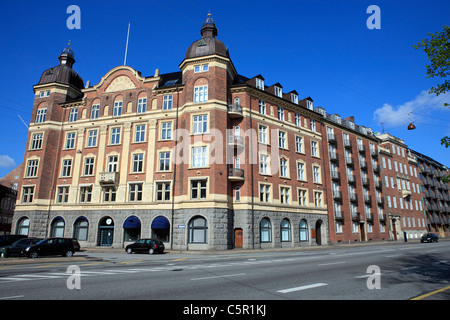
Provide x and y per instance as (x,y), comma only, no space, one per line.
(126,47)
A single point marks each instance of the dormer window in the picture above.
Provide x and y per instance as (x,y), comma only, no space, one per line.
(260,83)
(309,104)
(294,98)
(278,92)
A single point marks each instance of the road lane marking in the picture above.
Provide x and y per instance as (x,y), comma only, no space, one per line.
(431,293)
(12,297)
(394,255)
(179,259)
(310,286)
(331,263)
(216,277)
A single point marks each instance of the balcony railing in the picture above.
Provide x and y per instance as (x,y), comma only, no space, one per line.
(234,110)
(235,174)
(108,178)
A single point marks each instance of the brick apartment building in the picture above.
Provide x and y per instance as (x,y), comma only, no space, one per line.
(402,189)
(205,158)
(435,194)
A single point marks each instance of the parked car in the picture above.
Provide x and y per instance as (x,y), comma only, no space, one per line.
(429,237)
(53,246)
(7,239)
(146,245)
(17,249)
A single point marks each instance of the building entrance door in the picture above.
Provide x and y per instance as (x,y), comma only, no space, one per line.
(238,238)
(106,236)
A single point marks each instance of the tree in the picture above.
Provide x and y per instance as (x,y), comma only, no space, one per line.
(437,47)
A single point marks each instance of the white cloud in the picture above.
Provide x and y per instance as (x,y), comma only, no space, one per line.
(7,162)
(421,106)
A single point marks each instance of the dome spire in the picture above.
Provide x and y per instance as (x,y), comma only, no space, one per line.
(209,29)
(67,55)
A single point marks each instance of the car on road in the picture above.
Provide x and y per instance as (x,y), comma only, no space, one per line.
(150,246)
(429,237)
(17,249)
(53,246)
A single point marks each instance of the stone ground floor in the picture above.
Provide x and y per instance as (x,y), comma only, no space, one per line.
(185,229)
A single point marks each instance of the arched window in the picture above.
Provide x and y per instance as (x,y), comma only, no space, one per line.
(132,229)
(304,234)
(266,230)
(197,230)
(80,229)
(237,193)
(161,228)
(23,227)
(57,227)
(285,230)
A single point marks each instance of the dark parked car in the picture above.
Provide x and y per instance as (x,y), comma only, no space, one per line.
(17,248)
(7,239)
(429,237)
(53,246)
(146,245)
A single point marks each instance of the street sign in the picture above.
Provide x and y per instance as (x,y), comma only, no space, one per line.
(181,226)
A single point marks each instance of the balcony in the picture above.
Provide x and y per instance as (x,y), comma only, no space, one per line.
(236,141)
(349,161)
(234,111)
(376,168)
(363,164)
(369,216)
(347,144)
(356,216)
(331,138)
(339,215)
(382,217)
(378,184)
(353,197)
(334,157)
(361,148)
(337,195)
(374,153)
(380,201)
(108,178)
(367,198)
(365,181)
(351,179)
(406,193)
(335,175)
(235,174)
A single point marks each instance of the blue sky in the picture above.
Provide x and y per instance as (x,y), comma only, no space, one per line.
(321,48)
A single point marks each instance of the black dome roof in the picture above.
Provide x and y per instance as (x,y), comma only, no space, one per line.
(208,44)
(63,73)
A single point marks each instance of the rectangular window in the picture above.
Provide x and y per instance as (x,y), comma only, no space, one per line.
(89,166)
(318,199)
(163,191)
(316,174)
(302,198)
(164,161)
(198,157)
(278,92)
(166,130)
(66,168)
(62,195)
(113,163)
(200,94)
(298,120)
(142,105)
(32,168)
(92,138)
(85,194)
(73,116)
(140,133)
(70,140)
(301,171)
(263,134)
(135,193)
(282,139)
(167,102)
(314,150)
(200,124)
(95,111)
(27,194)
(260,84)
(264,164)
(36,141)
(115,136)
(41,115)
(281,113)
(117,111)
(262,107)
(283,168)
(138,162)
(264,192)
(109,194)
(198,189)
(299,144)
(285,195)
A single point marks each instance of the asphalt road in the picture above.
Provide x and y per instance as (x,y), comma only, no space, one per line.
(375,272)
